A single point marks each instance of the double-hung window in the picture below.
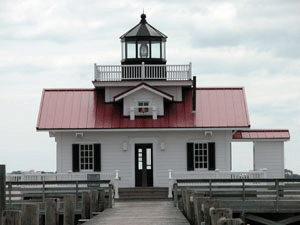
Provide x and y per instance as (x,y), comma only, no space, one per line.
(201,155)
(86,157)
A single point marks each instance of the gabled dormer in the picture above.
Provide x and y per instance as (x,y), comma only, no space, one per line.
(143,100)
(143,82)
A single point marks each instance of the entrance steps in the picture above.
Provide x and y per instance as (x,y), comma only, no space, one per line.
(143,193)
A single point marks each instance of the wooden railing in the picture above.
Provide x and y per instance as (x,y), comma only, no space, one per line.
(216,174)
(58,176)
(142,72)
(255,195)
(19,191)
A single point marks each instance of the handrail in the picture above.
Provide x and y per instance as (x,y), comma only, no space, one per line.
(279,187)
(40,189)
(142,72)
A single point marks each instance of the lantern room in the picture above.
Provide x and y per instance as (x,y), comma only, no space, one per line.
(143,43)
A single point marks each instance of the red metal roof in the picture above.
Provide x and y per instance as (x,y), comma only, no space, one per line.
(86,109)
(262,134)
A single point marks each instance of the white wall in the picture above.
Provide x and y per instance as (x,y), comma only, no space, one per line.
(269,155)
(114,158)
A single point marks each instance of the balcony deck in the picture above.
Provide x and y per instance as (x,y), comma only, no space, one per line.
(115,73)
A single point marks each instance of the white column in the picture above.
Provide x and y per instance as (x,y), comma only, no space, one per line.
(116,184)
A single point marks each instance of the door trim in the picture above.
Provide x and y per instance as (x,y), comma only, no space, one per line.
(144,177)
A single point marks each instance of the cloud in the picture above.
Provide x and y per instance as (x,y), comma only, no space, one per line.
(48,44)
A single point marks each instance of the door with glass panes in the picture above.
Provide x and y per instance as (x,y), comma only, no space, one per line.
(143,165)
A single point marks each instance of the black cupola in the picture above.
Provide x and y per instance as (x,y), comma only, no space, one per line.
(143,43)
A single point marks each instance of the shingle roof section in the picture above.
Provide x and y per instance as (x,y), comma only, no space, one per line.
(143,29)
(67,109)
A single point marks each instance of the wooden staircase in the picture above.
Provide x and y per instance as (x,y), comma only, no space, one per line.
(143,193)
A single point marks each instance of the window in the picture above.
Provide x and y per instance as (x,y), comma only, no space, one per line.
(143,107)
(86,157)
(201,155)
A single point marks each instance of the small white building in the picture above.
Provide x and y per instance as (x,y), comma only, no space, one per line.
(148,120)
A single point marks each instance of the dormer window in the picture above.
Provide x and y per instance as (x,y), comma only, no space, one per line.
(143,107)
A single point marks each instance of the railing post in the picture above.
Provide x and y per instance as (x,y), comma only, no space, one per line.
(190,71)
(2,190)
(116,184)
(86,205)
(143,71)
(96,72)
(244,194)
(30,214)
(9,194)
(175,194)
(277,192)
(171,181)
(265,172)
(52,211)
(210,189)
(110,198)
(69,209)
(11,217)
(43,178)
(77,191)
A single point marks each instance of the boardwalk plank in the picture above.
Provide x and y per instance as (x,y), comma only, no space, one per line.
(140,212)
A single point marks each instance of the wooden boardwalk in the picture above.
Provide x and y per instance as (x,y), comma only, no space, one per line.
(140,213)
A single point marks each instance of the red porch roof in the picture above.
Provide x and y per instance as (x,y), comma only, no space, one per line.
(262,134)
(73,109)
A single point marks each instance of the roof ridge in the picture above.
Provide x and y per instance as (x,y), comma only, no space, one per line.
(219,88)
(70,89)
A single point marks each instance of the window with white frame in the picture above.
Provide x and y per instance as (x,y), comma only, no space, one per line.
(201,155)
(143,106)
(86,157)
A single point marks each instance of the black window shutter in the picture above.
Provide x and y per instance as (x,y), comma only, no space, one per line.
(97,157)
(75,156)
(211,156)
(190,156)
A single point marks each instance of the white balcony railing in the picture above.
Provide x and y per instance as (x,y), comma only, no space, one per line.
(142,72)
(56,176)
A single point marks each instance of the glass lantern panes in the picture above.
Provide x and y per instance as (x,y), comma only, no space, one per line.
(155,49)
(131,51)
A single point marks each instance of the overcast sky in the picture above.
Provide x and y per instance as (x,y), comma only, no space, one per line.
(54,44)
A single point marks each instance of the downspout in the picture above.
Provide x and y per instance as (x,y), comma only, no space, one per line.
(194,95)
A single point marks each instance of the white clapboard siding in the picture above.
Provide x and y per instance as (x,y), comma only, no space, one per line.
(269,155)
(113,156)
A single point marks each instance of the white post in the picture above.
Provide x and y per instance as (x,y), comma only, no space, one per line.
(131,113)
(96,72)
(190,71)
(116,184)
(154,112)
(171,182)
(265,171)
(143,71)
(217,173)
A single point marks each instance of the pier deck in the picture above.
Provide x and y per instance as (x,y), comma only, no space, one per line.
(140,212)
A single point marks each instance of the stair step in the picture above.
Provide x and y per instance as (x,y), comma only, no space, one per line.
(141,193)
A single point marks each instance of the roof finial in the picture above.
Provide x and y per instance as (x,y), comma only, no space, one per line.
(143,16)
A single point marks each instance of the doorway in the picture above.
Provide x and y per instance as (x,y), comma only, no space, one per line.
(143,165)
